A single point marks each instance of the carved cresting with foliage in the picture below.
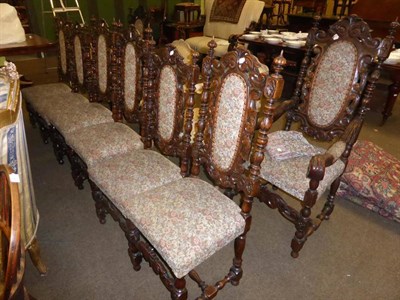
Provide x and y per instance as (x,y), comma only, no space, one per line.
(355,31)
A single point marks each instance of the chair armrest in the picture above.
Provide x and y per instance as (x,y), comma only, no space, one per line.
(318,164)
(282,108)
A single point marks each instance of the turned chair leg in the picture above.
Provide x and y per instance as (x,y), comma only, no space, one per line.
(34,253)
(179,291)
(329,204)
(240,242)
(300,236)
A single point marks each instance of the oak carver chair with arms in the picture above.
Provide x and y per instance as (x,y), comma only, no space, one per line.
(332,93)
(176,223)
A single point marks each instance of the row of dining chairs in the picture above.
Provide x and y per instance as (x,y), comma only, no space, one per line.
(171,218)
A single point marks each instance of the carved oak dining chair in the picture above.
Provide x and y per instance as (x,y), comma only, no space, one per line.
(12,252)
(90,144)
(332,94)
(177,223)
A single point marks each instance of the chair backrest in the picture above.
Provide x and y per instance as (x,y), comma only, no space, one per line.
(332,86)
(64,54)
(175,88)
(228,116)
(100,46)
(80,62)
(126,73)
(13,256)
(251,12)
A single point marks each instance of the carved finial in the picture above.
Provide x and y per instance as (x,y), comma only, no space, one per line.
(279,63)
(195,57)
(211,45)
(393,27)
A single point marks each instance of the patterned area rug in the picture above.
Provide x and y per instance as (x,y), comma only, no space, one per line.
(372,179)
(226,10)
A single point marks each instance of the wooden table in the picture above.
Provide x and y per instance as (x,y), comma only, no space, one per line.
(32,45)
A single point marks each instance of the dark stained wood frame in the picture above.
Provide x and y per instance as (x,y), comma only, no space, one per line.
(346,126)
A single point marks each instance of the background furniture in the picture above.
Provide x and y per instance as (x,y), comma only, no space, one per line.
(221,31)
(12,256)
(14,152)
(32,45)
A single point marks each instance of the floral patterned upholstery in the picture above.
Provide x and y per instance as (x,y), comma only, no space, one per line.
(102,63)
(230,106)
(78,58)
(44,91)
(288,144)
(290,174)
(130,76)
(79,116)
(103,141)
(332,83)
(187,221)
(50,106)
(63,53)
(372,179)
(167,103)
(124,176)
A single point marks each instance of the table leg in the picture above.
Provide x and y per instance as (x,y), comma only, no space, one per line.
(394,90)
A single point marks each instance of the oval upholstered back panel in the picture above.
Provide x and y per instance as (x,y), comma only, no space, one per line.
(332,83)
(167,92)
(230,108)
(102,62)
(130,76)
(63,52)
(78,58)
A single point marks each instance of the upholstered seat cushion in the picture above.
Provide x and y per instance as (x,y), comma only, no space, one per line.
(56,104)
(290,174)
(44,91)
(186,221)
(200,44)
(123,176)
(79,116)
(103,141)
(372,179)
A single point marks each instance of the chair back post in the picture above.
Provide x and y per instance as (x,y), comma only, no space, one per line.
(251,185)
(207,74)
(116,72)
(80,62)
(186,151)
(303,68)
(64,50)
(149,77)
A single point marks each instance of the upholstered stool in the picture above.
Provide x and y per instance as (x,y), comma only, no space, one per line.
(372,179)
